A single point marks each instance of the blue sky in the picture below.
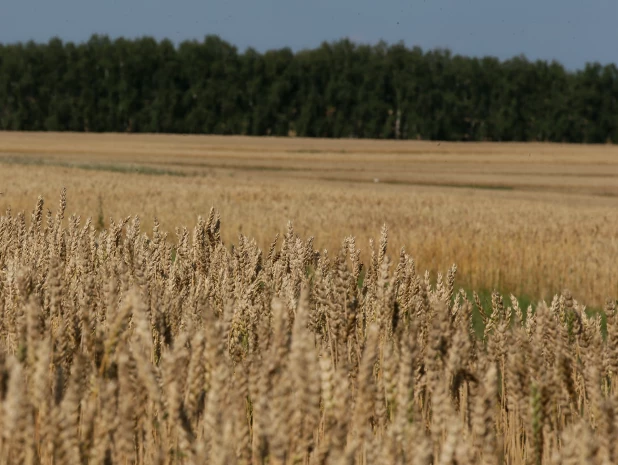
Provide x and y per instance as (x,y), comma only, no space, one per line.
(571,31)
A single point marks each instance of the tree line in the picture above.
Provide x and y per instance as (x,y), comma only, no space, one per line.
(339,89)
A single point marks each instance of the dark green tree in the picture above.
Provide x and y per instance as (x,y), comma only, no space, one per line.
(339,89)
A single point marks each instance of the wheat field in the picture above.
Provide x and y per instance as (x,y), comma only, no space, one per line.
(127,346)
(527,219)
(204,300)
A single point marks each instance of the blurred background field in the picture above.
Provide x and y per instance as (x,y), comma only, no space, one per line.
(528,219)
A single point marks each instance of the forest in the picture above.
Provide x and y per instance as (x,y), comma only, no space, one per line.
(340,89)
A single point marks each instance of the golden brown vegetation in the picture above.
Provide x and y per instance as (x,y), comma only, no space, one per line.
(122,347)
(522,218)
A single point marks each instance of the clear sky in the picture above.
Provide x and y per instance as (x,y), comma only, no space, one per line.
(571,31)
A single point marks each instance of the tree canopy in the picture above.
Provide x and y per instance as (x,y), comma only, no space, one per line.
(340,89)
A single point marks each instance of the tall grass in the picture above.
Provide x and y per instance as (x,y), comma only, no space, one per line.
(113,352)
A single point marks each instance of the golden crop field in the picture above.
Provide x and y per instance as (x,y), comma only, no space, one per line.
(123,348)
(529,219)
